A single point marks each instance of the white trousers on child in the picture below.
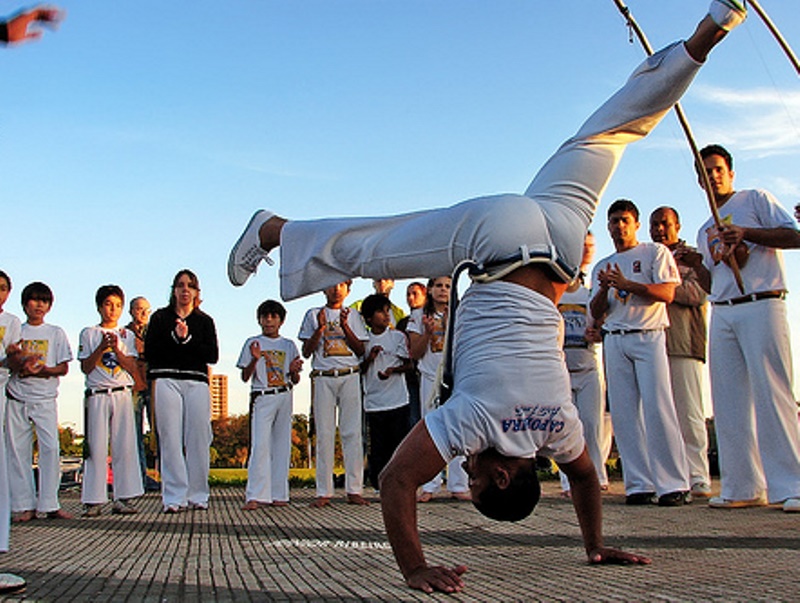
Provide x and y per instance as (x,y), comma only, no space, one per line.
(329,394)
(183,420)
(587,395)
(5,498)
(551,217)
(457,478)
(270,448)
(21,419)
(111,416)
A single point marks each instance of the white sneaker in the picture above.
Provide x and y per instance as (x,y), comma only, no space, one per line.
(247,253)
(727,13)
(717,502)
(791,505)
(701,490)
(11,583)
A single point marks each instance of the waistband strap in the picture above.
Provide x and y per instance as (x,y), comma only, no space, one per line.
(269,392)
(107,390)
(335,372)
(751,298)
(629,331)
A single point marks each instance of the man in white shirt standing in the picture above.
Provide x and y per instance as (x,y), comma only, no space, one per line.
(630,291)
(749,352)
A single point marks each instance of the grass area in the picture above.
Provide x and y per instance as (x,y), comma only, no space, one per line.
(298,477)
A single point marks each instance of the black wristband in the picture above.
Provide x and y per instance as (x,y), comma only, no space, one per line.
(3,31)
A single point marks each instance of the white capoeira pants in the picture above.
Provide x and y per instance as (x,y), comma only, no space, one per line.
(686,376)
(21,419)
(551,217)
(183,420)
(111,416)
(754,408)
(588,397)
(5,498)
(645,422)
(344,393)
(457,478)
(270,448)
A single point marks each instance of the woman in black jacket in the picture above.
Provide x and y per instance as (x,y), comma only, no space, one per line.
(181,342)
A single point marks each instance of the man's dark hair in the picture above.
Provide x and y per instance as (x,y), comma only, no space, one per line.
(373,303)
(107,291)
(271,307)
(717,149)
(515,502)
(39,291)
(7,278)
(624,205)
(667,208)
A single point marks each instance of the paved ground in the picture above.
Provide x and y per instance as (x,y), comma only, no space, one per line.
(340,554)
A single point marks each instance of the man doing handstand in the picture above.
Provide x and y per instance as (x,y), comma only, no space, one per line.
(511,395)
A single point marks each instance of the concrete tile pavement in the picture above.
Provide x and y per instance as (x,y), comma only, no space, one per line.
(340,553)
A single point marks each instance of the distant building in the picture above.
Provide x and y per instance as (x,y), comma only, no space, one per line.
(219,396)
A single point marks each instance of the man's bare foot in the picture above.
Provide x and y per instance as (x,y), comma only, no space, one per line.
(320,501)
(462,496)
(59,514)
(24,516)
(425,497)
(280,503)
(356,499)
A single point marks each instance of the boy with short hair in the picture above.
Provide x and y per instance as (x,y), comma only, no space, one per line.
(386,358)
(108,359)
(274,365)
(36,364)
(334,337)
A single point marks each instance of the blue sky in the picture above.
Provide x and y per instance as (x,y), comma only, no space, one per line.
(138,139)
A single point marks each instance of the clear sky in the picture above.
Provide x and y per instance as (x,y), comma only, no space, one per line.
(139,138)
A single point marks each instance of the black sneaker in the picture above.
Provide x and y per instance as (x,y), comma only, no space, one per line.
(640,498)
(674,499)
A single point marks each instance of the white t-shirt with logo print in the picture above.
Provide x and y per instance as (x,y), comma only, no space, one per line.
(108,372)
(511,387)
(49,344)
(647,263)
(272,367)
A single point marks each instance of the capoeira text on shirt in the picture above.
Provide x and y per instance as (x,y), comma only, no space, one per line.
(534,418)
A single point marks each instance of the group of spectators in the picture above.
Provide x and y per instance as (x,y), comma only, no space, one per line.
(647,304)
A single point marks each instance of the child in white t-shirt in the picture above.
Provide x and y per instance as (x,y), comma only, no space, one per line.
(108,359)
(42,356)
(273,366)
(386,358)
(10,328)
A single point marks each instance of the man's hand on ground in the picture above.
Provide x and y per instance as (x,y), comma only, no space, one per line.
(444,579)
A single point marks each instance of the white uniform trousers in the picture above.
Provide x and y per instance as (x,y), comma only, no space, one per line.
(645,422)
(588,397)
(5,498)
(457,478)
(183,420)
(21,419)
(111,415)
(754,407)
(686,376)
(344,393)
(551,217)
(270,448)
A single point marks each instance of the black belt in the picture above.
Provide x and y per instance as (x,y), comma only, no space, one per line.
(335,372)
(751,298)
(269,392)
(109,390)
(629,331)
